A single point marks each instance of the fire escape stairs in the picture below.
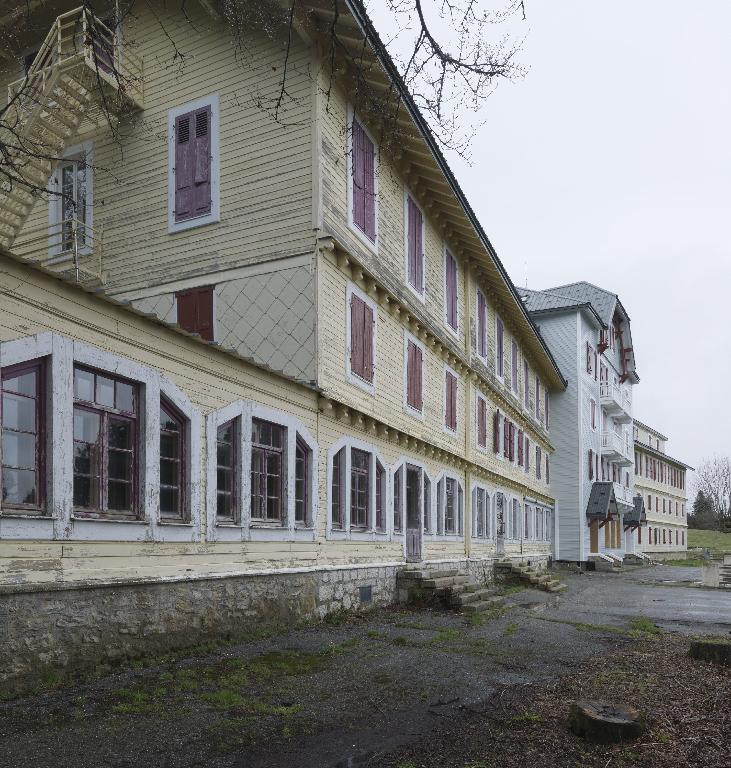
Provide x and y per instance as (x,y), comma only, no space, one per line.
(78,75)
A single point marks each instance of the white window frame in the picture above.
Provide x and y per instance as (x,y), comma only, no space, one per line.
(370,534)
(489,536)
(479,292)
(486,449)
(440,504)
(447,431)
(420,294)
(352,114)
(86,150)
(214,215)
(445,314)
(63,354)
(408,337)
(246,530)
(353,378)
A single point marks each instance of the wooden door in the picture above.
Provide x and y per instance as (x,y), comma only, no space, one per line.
(414,514)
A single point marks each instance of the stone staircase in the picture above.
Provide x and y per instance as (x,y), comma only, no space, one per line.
(725,575)
(529,574)
(606,563)
(451,588)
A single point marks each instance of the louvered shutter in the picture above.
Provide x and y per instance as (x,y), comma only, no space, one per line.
(184,166)
(588,357)
(591,464)
(499,346)
(527,454)
(415,245)
(451,290)
(369,180)
(496,432)
(357,306)
(506,438)
(511,432)
(202,172)
(481,325)
(451,401)
(195,311)
(548,470)
(520,447)
(481,423)
(358,171)
(367,343)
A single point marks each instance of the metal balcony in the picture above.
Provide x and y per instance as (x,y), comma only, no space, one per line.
(616,401)
(617,448)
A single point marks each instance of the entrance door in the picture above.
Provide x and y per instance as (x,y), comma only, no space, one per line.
(413,514)
(594,537)
(500,524)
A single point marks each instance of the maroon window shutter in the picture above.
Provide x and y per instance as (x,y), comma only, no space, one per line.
(514,365)
(367,342)
(413,376)
(451,289)
(591,464)
(415,245)
(358,171)
(369,182)
(546,406)
(202,168)
(526,386)
(499,346)
(520,447)
(357,339)
(195,311)
(184,157)
(453,401)
(527,454)
(481,423)
(506,438)
(511,433)
(481,325)
(450,406)
(588,357)
(496,432)
(538,463)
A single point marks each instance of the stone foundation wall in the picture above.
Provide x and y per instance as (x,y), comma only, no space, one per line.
(62,630)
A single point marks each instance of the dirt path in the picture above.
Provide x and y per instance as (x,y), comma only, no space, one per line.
(401,688)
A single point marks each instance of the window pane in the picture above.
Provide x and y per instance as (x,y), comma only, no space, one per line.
(19,486)
(86,426)
(23,383)
(84,385)
(120,434)
(225,432)
(86,492)
(169,501)
(168,422)
(224,477)
(223,505)
(169,446)
(85,459)
(169,472)
(125,400)
(120,465)
(223,455)
(19,450)
(105,391)
(120,496)
(19,413)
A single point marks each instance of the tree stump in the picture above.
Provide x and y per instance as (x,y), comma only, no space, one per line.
(604,723)
(717,651)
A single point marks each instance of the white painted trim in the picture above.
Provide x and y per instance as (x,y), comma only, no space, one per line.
(64,353)
(489,523)
(445,428)
(215,213)
(85,149)
(371,534)
(367,386)
(245,411)
(420,295)
(452,331)
(371,245)
(441,507)
(401,463)
(408,337)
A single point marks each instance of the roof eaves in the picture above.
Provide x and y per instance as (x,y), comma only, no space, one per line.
(361,15)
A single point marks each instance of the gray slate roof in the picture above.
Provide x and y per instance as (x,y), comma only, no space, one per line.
(637,516)
(601,502)
(572,295)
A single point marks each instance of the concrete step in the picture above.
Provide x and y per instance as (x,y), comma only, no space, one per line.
(473,597)
(444,582)
(483,605)
(414,574)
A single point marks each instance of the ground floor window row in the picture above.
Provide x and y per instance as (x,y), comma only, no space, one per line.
(658,535)
(496,514)
(369,499)
(88,436)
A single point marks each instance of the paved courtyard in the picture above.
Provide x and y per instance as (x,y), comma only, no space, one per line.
(409,688)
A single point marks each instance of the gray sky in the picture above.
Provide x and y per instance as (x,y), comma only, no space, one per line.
(610,161)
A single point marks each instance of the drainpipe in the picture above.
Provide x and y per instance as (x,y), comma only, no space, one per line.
(469,387)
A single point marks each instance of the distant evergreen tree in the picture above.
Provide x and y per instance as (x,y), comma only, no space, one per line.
(703,515)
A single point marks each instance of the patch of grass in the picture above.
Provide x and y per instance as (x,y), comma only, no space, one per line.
(276,663)
(526,717)
(689,562)
(138,703)
(512,589)
(336,648)
(719,543)
(446,636)
(375,635)
(585,627)
(337,618)
(643,625)
(663,738)
(224,699)
(410,625)
(511,629)
(400,641)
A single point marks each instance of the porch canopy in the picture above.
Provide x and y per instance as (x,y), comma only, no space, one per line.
(602,504)
(637,517)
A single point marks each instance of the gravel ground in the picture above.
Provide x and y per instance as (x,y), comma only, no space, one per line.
(409,689)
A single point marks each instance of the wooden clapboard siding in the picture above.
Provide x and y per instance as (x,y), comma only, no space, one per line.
(266,167)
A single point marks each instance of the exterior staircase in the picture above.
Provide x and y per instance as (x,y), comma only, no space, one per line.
(530,574)
(725,574)
(606,563)
(450,588)
(78,75)
(637,558)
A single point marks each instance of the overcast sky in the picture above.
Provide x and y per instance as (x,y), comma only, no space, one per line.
(610,161)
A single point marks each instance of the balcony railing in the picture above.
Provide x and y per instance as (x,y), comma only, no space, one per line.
(69,248)
(616,400)
(617,447)
(623,495)
(79,37)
